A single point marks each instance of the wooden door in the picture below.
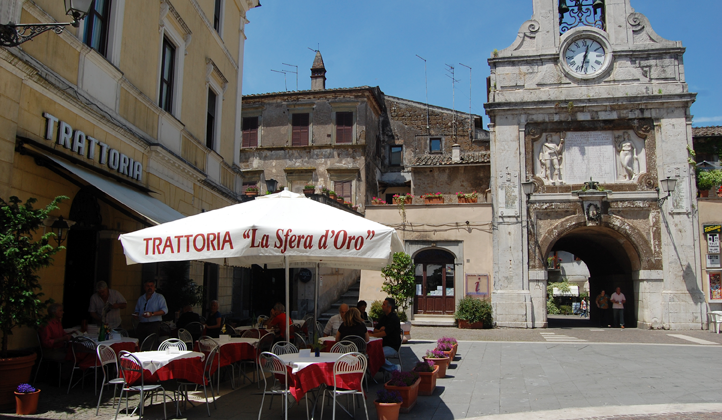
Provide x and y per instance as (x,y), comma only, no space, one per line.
(435,288)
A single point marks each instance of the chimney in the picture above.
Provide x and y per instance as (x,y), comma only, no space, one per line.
(456,153)
(318,73)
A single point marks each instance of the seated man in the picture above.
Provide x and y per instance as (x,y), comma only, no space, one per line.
(52,336)
(389,329)
(278,320)
(335,321)
(187,316)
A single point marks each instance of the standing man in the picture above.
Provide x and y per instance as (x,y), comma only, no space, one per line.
(389,329)
(105,305)
(150,310)
(602,302)
(618,300)
(584,308)
(335,321)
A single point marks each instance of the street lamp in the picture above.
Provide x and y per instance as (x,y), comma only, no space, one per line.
(528,188)
(60,228)
(12,35)
(668,186)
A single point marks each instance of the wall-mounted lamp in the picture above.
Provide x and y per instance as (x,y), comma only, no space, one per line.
(12,35)
(668,186)
(271,185)
(60,229)
(528,188)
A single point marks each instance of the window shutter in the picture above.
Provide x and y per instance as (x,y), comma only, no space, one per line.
(343,189)
(299,134)
(250,132)
(344,127)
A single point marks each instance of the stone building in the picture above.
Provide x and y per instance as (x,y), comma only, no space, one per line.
(133,136)
(594,92)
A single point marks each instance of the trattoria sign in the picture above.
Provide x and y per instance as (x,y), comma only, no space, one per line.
(88,147)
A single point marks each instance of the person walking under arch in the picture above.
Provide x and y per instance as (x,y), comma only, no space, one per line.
(618,301)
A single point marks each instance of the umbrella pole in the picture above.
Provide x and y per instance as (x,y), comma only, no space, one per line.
(288,327)
(315,295)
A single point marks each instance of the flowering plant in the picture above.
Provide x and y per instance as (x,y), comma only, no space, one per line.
(25,389)
(444,346)
(388,397)
(403,196)
(376,200)
(399,378)
(252,189)
(435,354)
(473,194)
(430,195)
(450,340)
(331,192)
(424,366)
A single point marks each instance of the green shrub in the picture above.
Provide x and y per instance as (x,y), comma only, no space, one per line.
(565,309)
(375,311)
(706,180)
(552,308)
(474,310)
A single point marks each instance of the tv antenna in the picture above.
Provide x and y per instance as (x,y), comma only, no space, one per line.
(450,69)
(426,83)
(470,121)
(296,73)
(318,48)
(284,77)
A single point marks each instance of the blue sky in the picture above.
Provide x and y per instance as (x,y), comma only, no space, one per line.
(375,43)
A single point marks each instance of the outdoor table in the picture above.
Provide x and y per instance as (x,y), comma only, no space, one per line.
(164,366)
(374,352)
(234,350)
(117,344)
(307,373)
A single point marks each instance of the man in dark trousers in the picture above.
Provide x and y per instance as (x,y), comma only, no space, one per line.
(389,329)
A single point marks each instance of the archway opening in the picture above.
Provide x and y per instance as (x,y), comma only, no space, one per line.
(434,276)
(611,260)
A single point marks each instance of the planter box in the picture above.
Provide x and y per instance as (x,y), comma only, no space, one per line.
(463,200)
(387,411)
(470,325)
(454,349)
(434,200)
(251,193)
(407,200)
(308,192)
(442,363)
(409,393)
(428,381)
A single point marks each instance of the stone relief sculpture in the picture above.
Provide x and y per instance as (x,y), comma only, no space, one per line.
(627,156)
(550,158)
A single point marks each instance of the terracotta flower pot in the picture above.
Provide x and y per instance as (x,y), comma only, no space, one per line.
(339,200)
(332,196)
(14,371)
(448,354)
(26,403)
(408,393)
(704,193)
(309,191)
(468,200)
(442,363)
(434,200)
(251,193)
(407,200)
(387,411)
(454,349)
(470,325)
(428,381)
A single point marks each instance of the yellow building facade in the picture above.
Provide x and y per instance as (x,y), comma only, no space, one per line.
(134,116)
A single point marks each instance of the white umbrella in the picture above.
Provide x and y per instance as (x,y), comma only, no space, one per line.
(278,230)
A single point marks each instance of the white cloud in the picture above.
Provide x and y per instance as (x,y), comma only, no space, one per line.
(707,119)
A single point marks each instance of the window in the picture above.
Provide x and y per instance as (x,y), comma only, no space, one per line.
(395,155)
(211,120)
(299,132)
(166,76)
(435,145)
(95,34)
(217,16)
(344,127)
(250,132)
(343,189)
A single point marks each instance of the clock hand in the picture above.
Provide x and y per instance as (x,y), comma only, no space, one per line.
(584,60)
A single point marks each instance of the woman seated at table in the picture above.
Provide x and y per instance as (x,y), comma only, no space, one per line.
(277,321)
(353,324)
(213,322)
(52,336)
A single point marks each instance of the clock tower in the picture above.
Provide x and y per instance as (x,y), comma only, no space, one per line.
(590,132)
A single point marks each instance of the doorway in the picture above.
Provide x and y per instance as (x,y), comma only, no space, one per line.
(434,274)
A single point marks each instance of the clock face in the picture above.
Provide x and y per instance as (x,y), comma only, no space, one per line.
(585,56)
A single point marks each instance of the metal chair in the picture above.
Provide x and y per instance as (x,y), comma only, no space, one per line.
(106,356)
(283,347)
(347,364)
(207,368)
(270,363)
(319,329)
(344,346)
(130,366)
(47,360)
(172,342)
(149,343)
(299,341)
(196,329)
(254,333)
(83,350)
(358,341)
(186,337)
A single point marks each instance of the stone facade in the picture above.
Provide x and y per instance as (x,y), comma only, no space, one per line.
(628,126)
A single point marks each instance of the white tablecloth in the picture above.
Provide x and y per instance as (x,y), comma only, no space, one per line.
(298,362)
(154,360)
(324,339)
(236,340)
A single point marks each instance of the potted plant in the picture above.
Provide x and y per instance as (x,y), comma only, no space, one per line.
(26,399)
(324,191)
(406,384)
(445,348)
(309,189)
(452,341)
(440,359)
(23,254)
(473,313)
(332,194)
(471,197)
(316,345)
(252,191)
(280,188)
(401,199)
(706,180)
(428,372)
(377,201)
(388,404)
(433,198)
(399,283)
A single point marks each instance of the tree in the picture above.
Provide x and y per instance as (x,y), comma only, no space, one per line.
(21,256)
(399,281)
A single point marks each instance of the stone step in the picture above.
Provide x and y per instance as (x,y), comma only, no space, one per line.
(434,320)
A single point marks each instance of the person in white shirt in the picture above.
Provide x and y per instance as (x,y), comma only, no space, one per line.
(105,305)
(618,301)
(335,321)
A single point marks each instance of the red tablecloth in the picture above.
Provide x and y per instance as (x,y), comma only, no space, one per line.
(86,361)
(230,353)
(188,369)
(310,377)
(374,351)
